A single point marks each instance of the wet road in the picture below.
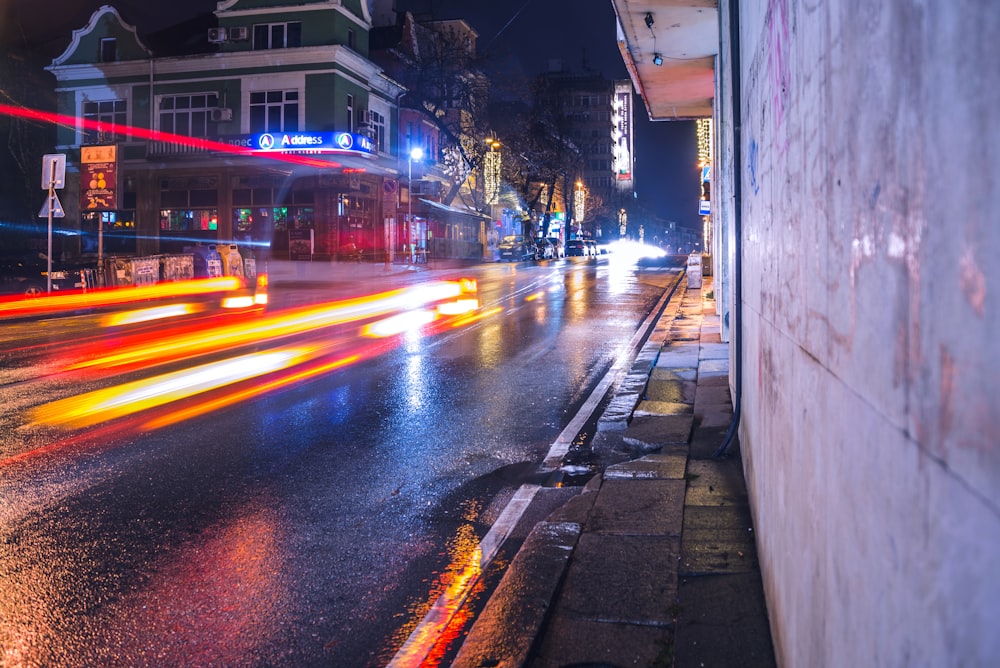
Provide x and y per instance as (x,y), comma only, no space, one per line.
(310,526)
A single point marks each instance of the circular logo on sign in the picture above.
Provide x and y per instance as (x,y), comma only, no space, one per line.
(344,140)
(389,187)
(266,141)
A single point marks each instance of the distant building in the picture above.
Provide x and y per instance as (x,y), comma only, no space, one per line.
(595,114)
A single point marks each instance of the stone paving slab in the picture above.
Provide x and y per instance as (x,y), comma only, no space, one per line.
(713,368)
(623,579)
(651,432)
(646,408)
(638,507)
(659,466)
(678,357)
(722,618)
(677,391)
(714,351)
(718,555)
(574,642)
(688,374)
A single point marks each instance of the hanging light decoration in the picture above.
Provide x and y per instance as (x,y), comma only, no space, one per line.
(491,171)
(703,130)
(579,203)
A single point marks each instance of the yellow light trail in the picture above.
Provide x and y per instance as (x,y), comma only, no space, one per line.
(116,296)
(300,320)
(110,403)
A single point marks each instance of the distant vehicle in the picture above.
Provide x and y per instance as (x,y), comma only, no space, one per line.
(591,247)
(26,274)
(546,251)
(576,248)
(515,248)
(560,250)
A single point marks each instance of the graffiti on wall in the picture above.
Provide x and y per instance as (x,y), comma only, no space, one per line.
(777,67)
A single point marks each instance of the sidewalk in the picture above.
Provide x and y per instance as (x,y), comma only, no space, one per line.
(653,563)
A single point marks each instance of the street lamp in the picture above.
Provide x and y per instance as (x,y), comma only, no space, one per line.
(416,153)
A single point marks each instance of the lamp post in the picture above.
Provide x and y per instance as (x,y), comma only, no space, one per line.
(416,153)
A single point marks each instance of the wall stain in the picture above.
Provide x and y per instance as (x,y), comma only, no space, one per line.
(973,282)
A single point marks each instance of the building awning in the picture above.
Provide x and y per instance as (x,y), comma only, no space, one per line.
(445,209)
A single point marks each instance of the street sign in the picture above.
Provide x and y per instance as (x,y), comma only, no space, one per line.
(53,170)
(57,208)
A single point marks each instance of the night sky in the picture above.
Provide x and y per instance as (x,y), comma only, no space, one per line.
(528,33)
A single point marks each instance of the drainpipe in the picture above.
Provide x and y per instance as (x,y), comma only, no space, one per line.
(736,322)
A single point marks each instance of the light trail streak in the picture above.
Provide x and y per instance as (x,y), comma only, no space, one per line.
(469,319)
(150,314)
(304,319)
(101,405)
(48,304)
(232,398)
(156,135)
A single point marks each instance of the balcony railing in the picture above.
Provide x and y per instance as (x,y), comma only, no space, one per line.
(161,149)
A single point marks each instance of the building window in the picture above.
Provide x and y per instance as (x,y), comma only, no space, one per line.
(188,115)
(189,220)
(378,130)
(277,35)
(103,120)
(350,113)
(274,111)
(109,50)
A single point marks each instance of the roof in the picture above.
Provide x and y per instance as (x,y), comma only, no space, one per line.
(444,208)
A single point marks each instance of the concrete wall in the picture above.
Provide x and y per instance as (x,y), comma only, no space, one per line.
(871,326)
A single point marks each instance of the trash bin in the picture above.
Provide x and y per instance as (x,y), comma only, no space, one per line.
(232,263)
(207,261)
(694,270)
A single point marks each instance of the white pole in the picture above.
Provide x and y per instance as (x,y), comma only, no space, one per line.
(52,205)
(409,205)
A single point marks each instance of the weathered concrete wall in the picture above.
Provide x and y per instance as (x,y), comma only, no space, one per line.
(871,325)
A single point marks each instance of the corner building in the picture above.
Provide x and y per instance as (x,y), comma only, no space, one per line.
(282,127)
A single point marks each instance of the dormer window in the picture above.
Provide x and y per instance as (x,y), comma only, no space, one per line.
(109,50)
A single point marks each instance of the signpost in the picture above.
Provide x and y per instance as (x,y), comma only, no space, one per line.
(53,177)
(99,184)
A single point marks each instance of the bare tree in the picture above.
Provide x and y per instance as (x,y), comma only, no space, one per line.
(22,85)
(436,61)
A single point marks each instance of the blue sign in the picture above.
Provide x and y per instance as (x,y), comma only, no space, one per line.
(704,207)
(307,142)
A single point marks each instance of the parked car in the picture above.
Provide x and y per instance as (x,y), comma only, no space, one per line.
(576,248)
(515,248)
(591,247)
(557,245)
(546,251)
(26,273)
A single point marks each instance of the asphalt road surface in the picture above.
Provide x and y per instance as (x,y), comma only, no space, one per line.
(301,519)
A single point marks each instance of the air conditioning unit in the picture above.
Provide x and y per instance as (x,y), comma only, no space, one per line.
(216,35)
(221,114)
(239,34)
